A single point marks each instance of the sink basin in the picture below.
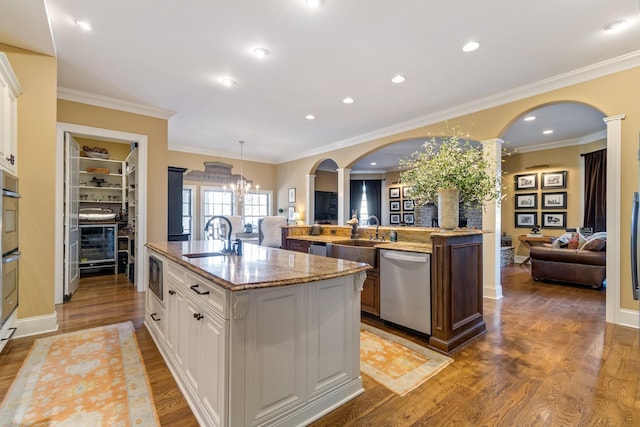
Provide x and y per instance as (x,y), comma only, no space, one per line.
(203,254)
(355,250)
(359,242)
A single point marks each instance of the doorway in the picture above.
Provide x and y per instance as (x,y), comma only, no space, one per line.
(141,203)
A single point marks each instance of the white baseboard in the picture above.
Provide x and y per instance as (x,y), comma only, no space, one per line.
(36,325)
(492,292)
(630,318)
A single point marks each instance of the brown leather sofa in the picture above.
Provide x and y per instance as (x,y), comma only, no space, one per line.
(569,265)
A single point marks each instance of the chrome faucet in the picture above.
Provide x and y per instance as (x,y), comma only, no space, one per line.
(237,246)
(377,223)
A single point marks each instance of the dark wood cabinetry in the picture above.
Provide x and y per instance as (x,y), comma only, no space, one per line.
(174,212)
(456,291)
(370,296)
(298,245)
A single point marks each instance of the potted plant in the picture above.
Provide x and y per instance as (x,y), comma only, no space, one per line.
(449,170)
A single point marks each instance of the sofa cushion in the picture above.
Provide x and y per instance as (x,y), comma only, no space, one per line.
(573,256)
(595,242)
(576,241)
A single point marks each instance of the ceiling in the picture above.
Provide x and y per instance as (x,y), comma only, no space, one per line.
(168,57)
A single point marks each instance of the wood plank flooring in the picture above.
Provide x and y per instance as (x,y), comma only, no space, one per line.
(548,359)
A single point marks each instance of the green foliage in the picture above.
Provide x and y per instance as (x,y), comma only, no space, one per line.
(451,162)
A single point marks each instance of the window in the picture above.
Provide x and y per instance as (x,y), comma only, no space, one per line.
(364,211)
(187,210)
(216,201)
(256,205)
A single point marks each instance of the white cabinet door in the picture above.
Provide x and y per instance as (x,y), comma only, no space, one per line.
(177,331)
(156,320)
(213,385)
(10,89)
(193,342)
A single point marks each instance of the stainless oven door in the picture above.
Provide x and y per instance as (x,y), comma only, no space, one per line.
(9,284)
(9,223)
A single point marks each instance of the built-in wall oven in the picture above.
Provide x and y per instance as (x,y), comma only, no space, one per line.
(9,244)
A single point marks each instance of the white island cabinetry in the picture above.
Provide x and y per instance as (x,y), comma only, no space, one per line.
(280,355)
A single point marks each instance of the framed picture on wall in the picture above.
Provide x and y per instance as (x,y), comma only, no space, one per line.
(406,192)
(290,211)
(554,200)
(394,205)
(292,195)
(526,182)
(408,218)
(394,192)
(394,219)
(527,201)
(526,219)
(554,219)
(407,205)
(554,179)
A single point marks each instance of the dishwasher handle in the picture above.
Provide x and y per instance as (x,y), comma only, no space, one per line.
(399,256)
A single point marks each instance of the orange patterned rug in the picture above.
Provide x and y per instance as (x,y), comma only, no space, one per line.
(94,377)
(396,363)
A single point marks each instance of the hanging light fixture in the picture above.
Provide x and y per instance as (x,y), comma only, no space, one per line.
(242,187)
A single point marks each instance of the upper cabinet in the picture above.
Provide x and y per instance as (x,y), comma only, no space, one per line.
(10,89)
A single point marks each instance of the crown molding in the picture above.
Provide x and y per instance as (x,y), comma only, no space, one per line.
(113,103)
(593,137)
(599,69)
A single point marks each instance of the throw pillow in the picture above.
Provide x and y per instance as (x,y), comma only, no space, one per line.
(562,241)
(574,242)
(594,245)
(595,242)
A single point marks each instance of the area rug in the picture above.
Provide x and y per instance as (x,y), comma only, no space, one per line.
(94,377)
(398,364)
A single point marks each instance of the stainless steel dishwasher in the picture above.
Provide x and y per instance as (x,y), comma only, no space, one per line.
(405,289)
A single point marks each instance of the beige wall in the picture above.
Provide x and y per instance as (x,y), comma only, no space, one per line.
(36,159)
(609,94)
(558,159)
(326,181)
(156,131)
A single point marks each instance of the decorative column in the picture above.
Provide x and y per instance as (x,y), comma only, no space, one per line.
(491,225)
(344,195)
(309,218)
(614,182)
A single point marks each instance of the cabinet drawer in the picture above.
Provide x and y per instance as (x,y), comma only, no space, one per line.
(212,295)
(156,315)
(175,272)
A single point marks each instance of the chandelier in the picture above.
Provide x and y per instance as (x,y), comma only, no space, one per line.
(242,187)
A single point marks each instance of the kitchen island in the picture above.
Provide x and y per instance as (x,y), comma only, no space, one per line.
(267,338)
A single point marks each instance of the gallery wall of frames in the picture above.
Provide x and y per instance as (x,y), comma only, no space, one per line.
(541,199)
(401,207)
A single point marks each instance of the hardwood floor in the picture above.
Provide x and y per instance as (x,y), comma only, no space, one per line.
(547,359)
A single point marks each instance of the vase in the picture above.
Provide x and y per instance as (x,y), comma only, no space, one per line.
(448,208)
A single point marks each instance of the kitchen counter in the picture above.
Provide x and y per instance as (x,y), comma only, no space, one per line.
(267,338)
(258,267)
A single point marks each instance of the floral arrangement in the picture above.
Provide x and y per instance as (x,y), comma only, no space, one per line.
(451,162)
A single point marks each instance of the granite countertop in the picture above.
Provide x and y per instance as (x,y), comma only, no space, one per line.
(258,267)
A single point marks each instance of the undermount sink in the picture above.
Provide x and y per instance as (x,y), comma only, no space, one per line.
(359,242)
(355,250)
(203,254)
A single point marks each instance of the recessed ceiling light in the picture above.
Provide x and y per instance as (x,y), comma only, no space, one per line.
(373,163)
(310,117)
(616,25)
(260,52)
(228,82)
(529,118)
(84,25)
(548,131)
(313,3)
(348,100)
(398,79)
(470,47)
